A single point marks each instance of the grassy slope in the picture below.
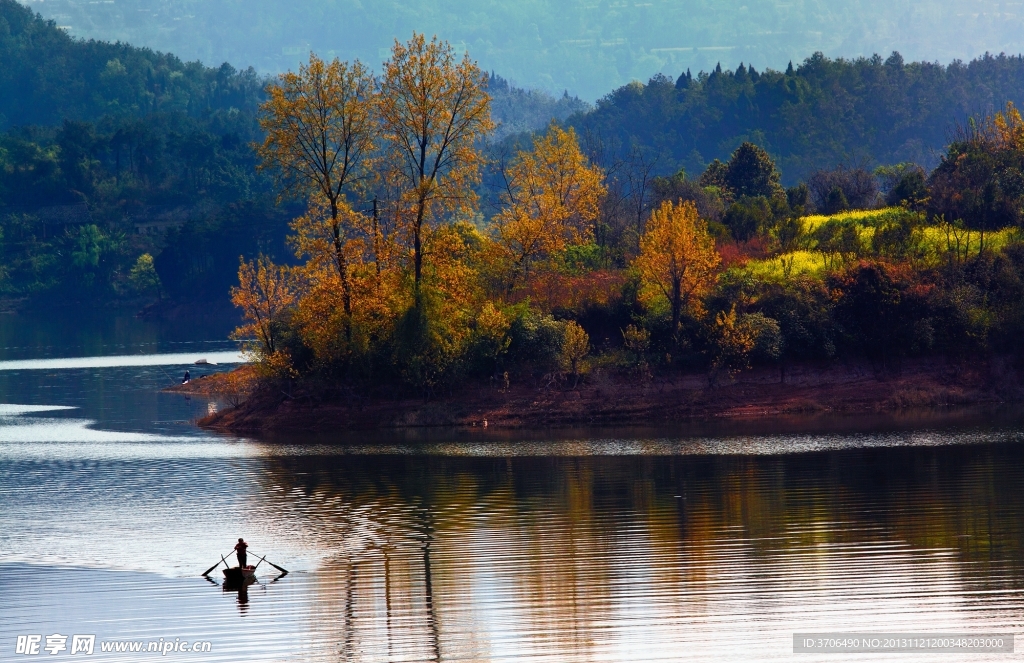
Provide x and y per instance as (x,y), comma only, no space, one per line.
(809,260)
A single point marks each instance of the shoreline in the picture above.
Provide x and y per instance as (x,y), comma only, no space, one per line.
(605,399)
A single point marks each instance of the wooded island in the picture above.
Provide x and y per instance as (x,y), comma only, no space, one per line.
(416,297)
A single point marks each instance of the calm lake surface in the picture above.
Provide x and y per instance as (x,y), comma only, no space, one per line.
(705,543)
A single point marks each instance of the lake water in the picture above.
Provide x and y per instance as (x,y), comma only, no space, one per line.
(704,543)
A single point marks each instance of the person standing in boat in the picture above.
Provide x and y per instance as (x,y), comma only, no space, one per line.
(240,552)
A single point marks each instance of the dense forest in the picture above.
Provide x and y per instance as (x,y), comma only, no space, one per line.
(106,148)
(824,112)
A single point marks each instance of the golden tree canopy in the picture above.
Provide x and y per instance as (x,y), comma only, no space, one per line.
(320,127)
(265,292)
(329,243)
(552,197)
(678,257)
(1009,127)
(433,111)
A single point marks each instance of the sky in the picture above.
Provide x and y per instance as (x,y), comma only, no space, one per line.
(585,47)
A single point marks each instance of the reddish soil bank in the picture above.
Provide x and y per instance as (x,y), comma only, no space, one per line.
(623,400)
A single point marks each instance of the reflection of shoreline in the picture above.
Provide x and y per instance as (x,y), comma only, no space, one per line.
(621,400)
(568,559)
(589,558)
(771,435)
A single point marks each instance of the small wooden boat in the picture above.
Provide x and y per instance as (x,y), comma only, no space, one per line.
(238,575)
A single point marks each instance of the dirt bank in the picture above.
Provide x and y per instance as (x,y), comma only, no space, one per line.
(625,400)
(224,385)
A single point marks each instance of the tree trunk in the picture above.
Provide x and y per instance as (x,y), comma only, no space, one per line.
(346,290)
(677,308)
(417,244)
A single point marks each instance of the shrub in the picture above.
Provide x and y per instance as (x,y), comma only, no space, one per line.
(535,339)
(839,241)
(143,278)
(768,341)
(575,348)
(803,310)
(881,309)
(748,217)
(637,343)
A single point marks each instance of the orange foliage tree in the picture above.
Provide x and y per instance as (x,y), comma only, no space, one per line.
(265,293)
(552,197)
(1008,127)
(678,258)
(433,111)
(320,129)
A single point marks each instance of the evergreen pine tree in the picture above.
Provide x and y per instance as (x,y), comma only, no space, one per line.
(751,172)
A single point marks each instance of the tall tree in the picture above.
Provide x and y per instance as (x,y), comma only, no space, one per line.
(434,110)
(320,130)
(678,257)
(640,176)
(751,172)
(980,179)
(552,196)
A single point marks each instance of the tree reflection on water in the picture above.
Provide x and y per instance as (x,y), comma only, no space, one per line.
(581,556)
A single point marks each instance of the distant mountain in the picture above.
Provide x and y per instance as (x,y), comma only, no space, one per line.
(584,46)
(516,110)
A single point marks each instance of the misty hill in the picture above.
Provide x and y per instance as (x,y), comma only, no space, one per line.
(585,46)
(49,76)
(825,112)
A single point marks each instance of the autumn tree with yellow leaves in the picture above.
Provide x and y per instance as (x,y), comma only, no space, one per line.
(433,111)
(334,316)
(678,258)
(265,293)
(551,197)
(1008,127)
(321,130)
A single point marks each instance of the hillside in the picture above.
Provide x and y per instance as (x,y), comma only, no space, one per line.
(587,48)
(824,112)
(126,173)
(48,76)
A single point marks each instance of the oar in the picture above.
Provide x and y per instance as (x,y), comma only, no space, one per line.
(209,570)
(259,562)
(275,565)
